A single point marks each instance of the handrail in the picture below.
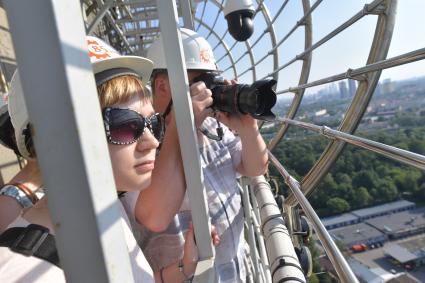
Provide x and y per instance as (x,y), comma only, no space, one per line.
(284,263)
(255,238)
(405,156)
(250,232)
(341,266)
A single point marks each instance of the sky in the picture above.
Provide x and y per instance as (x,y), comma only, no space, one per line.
(349,49)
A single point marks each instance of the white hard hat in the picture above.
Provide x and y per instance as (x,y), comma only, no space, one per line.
(103,58)
(197,52)
(18,114)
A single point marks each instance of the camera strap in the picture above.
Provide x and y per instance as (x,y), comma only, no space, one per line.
(168,109)
(219,129)
(33,240)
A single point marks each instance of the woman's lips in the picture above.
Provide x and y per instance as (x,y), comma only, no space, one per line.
(145,167)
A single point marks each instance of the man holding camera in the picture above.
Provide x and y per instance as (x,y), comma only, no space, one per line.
(223,160)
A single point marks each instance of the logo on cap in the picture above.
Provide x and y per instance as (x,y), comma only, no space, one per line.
(204,54)
(97,50)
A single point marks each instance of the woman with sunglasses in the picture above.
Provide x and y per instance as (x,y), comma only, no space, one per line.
(133,131)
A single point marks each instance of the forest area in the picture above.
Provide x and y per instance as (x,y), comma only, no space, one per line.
(359,178)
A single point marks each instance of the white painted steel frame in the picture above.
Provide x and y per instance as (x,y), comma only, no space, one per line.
(404,156)
(252,220)
(62,102)
(341,266)
(174,58)
(284,263)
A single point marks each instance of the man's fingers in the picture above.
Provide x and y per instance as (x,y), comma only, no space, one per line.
(201,95)
(197,88)
(214,236)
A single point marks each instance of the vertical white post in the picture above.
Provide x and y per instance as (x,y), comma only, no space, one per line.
(62,102)
(174,57)
(186,14)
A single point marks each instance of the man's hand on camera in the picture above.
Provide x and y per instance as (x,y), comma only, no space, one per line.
(236,121)
(201,102)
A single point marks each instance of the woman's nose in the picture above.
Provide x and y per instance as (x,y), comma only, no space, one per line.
(148,141)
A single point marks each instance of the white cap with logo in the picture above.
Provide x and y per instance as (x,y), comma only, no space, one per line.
(107,64)
(197,52)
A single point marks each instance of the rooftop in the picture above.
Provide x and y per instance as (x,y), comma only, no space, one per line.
(359,233)
(338,219)
(382,208)
(401,254)
(400,221)
(370,275)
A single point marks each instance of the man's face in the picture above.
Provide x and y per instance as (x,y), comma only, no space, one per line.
(190,75)
(193,74)
(162,94)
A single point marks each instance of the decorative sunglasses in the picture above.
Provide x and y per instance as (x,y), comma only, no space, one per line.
(126,126)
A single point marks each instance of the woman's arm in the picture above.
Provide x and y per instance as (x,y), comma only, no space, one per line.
(157,204)
(185,268)
(10,208)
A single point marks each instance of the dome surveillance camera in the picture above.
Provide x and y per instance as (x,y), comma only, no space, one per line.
(239,14)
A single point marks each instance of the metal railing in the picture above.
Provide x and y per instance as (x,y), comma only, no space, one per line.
(404,156)
(270,242)
(340,264)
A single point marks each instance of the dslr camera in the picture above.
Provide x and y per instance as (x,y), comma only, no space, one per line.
(256,99)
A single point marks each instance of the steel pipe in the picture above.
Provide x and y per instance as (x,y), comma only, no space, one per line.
(341,266)
(284,264)
(392,152)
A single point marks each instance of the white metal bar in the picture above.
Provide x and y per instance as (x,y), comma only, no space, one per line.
(62,102)
(186,11)
(99,16)
(261,247)
(284,263)
(174,58)
(341,266)
(251,236)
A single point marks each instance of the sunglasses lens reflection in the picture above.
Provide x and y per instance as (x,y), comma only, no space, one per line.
(127,132)
(127,126)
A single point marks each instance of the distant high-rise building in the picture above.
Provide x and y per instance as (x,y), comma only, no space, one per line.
(343,91)
(333,89)
(352,87)
(388,86)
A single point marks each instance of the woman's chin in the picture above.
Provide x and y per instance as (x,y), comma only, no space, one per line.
(142,185)
(134,183)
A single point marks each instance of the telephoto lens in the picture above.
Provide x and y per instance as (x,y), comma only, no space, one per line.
(256,99)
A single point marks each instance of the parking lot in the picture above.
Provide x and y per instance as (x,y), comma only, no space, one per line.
(376,258)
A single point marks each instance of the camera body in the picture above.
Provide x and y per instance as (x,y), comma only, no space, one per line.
(256,99)
(239,15)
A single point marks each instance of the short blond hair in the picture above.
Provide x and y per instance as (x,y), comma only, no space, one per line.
(122,89)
